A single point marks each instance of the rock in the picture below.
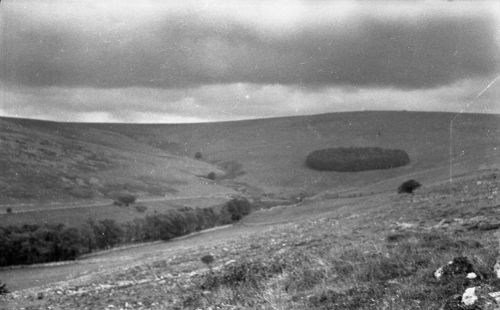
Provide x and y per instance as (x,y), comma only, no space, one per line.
(469,297)
(481,297)
(488,226)
(496,269)
(458,267)
(404,225)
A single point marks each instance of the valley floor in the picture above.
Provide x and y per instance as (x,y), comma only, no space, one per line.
(368,252)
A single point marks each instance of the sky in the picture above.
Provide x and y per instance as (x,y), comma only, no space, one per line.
(176,61)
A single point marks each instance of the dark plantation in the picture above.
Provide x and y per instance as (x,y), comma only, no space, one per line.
(356,159)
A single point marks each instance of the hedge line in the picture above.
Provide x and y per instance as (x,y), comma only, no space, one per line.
(29,244)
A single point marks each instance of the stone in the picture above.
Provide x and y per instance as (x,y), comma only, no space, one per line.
(458,267)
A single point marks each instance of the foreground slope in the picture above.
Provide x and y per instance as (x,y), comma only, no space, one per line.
(372,252)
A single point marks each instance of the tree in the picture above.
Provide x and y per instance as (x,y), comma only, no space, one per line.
(141,208)
(198,155)
(408,187)
(238,207)
(125,199)
(211,176)
(208,260)
(8,210)
(3,289)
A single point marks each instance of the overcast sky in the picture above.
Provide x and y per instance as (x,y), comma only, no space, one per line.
(209,60)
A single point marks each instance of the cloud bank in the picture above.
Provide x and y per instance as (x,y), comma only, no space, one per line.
(171,56)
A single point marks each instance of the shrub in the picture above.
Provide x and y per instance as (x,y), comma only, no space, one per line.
(125,199)
(238,207)
(3,289)
(211,176)
(408,186)
(9,210)
(198,155)
(356,159)
(207,259)
(141,208)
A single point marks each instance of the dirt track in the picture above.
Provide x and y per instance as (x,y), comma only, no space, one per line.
(25,277)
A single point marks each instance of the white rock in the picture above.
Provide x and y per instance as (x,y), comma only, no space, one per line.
(496,269)
(471,275)
(469,297)
(438,273)
(496,296)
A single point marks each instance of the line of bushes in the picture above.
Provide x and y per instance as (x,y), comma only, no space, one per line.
(356,159)
(30,244)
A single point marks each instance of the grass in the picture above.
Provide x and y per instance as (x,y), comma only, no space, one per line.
(325,254)
(398,277)
(73,216)
(394,270)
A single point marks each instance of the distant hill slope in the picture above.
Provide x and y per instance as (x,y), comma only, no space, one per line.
(54,159)
(46,162)
(272,151)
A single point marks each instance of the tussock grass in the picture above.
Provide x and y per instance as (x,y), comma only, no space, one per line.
(398,275)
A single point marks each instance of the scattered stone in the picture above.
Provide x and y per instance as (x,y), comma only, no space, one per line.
(471,275)
(481,297)
(405,225)
(469,297)
(496,269)
(458,267)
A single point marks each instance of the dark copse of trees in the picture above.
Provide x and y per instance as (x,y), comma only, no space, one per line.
(408,186)
(356,159)
(30,244)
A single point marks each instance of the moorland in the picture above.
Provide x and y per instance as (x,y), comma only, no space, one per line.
(315,239)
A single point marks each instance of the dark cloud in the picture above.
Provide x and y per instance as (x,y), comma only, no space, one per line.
(235,101)
(189,48)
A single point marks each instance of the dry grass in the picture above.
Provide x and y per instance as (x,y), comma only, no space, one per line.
(400,276)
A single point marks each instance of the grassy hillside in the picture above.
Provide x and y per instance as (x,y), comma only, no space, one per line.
(46,162)
(374,252)
(270,153)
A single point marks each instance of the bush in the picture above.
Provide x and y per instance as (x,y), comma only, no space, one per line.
(207,259)
(29,244)
(198,155)
(356,159)
(125,199)
(238,207)
(141,208)
(3,289)
(408,187)
(211,176)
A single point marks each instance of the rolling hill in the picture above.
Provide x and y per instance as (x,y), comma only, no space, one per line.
(49,161)
(270,153)
(353,243)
